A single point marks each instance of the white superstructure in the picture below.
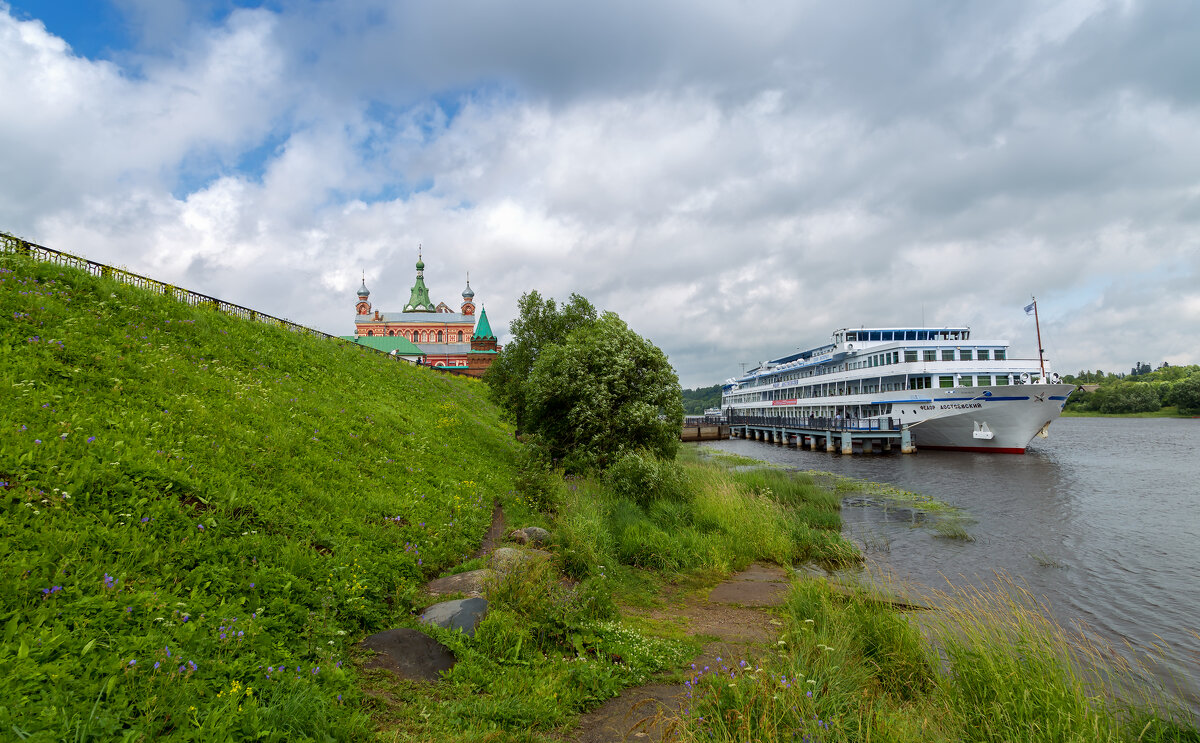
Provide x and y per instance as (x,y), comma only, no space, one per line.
(951,391)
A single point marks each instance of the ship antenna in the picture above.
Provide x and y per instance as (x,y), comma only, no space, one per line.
(1041,351)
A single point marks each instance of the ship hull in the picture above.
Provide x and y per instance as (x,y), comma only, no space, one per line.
(1000,420)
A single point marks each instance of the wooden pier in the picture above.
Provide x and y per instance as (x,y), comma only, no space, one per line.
(704,432)
(826,434)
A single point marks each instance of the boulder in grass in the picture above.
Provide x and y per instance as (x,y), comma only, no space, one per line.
(463,614)
(409,653)
(510,558)
(519,536)
(536,535)
(470,583)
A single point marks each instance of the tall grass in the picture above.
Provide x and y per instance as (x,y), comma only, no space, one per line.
(990,665)
(718,521)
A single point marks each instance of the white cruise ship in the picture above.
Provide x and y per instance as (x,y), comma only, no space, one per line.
(949,390)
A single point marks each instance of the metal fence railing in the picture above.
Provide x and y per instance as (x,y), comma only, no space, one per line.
(15,245)
(817,423)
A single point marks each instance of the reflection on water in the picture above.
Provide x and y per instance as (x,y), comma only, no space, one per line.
(1102,520)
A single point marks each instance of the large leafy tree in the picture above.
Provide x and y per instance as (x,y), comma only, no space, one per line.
(540,323)
(602,391)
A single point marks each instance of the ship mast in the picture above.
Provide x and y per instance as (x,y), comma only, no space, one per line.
(1041,351)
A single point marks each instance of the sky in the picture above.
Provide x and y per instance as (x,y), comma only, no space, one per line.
(735,179)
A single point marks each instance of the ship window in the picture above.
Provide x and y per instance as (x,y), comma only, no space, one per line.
(851,336)
(984,381)
(947,354)
(945,381)
(999,355)
(887,336)
(965,354)
(910,355)
(964,381)
(875,335)
(910,335)
(930,354)
(983,354)
(1001,380)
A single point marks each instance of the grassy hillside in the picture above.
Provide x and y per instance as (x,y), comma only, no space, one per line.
(199,512)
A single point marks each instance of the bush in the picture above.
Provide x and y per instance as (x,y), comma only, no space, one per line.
(643,478)
(536,485)
(1185,394)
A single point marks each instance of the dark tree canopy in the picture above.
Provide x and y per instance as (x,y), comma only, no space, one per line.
(601,391)
(540,323)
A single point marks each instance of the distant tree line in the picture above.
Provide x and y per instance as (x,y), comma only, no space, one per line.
(696,401)
(1141,391)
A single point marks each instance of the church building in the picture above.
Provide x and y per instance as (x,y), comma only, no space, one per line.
(435,335)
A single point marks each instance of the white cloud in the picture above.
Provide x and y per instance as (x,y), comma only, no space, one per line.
(734,181)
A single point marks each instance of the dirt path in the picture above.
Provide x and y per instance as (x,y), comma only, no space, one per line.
(736,612)
(495,533)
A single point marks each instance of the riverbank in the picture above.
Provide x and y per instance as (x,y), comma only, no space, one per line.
(204,516)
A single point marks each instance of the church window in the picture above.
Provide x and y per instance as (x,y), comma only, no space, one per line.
(460,336)
(391,332)
(439,340)
(370,332)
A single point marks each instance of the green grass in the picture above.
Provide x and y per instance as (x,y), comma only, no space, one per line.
(192,502)
(201,517)
(988,665)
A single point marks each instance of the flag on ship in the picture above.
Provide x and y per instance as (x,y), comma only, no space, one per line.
(1029,308)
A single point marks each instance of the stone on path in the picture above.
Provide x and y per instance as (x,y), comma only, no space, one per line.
(461,614)
(409,654)
(470,583)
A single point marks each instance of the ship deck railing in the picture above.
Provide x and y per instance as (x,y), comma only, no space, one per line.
(818,423)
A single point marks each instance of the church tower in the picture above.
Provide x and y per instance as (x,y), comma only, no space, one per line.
(468,295)
(364,303)
(483,347)
(418,300)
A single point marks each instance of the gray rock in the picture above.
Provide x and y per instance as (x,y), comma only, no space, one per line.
(461,614)
(536,535)
(409,654)
(519,536)
(471,583)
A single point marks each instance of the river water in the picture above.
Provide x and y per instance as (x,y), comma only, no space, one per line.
(1101,520)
